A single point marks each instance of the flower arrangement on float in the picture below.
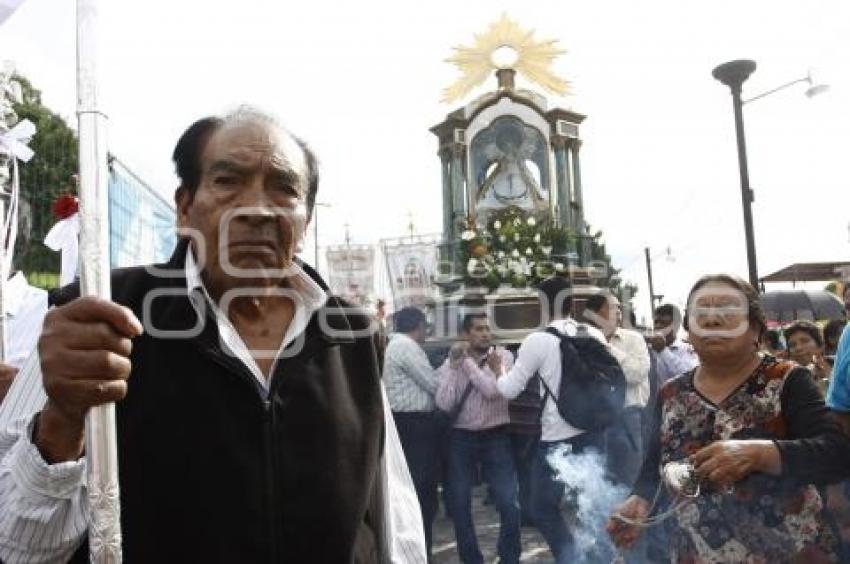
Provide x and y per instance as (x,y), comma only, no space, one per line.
(512,248)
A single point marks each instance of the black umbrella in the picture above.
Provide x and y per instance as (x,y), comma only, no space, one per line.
(790,305)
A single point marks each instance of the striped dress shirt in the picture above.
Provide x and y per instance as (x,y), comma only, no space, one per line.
(44,509)
(485,408)
(408,376)
(25,309)
(676,359)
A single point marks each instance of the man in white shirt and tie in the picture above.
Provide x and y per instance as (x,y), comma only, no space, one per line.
(624,439)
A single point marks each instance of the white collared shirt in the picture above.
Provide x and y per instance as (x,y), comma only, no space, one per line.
(540,353)
(629,348)
(308,299)
(25,309)
(44,509)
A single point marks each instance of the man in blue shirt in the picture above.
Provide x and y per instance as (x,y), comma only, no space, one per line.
(838,396)
(838,400)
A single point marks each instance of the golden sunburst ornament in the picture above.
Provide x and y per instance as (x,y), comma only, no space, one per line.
(505,45)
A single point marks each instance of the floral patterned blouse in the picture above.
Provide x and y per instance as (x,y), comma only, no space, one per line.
(765,518)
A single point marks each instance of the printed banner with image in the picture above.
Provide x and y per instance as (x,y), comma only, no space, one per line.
(411,268)
(351,273)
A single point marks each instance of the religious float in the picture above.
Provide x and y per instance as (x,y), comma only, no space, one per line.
(512,202)
(513,210)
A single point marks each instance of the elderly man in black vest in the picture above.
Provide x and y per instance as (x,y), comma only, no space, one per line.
(251,420)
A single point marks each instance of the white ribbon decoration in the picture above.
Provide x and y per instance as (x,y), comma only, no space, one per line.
(14,143)
(65,238)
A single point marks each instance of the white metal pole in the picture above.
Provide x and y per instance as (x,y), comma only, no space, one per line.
(101,443)
(6,166)
(3,277)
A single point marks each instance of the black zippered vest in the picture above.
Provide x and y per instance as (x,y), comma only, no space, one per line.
(211,470)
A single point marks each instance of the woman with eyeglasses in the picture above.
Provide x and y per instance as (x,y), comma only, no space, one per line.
(757,436)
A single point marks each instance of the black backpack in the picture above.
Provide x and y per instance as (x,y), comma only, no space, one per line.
(593,387)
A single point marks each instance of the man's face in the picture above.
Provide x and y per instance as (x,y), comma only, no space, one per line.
(667,327)
(250,205)
(610,316)
(420,333)
(479,336)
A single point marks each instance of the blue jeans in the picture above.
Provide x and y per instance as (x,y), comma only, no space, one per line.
(547,493)
(492,449)
(524,448)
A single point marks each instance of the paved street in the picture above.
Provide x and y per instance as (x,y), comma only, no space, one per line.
(487,527)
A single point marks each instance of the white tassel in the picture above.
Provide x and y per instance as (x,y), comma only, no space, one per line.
(65,238)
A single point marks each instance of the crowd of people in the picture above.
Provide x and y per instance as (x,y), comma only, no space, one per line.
(741,405)
(260,418)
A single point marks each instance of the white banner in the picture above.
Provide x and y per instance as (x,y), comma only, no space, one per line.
(351,273)
(411,268)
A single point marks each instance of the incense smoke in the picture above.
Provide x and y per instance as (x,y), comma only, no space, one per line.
(590,498)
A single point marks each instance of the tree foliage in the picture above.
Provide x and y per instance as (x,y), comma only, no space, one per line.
(51,172)
(625,291)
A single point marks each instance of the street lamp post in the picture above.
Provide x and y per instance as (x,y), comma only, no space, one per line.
(651,287)
(653,297)
(733,74)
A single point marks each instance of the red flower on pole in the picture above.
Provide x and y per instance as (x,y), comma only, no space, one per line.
(65,206)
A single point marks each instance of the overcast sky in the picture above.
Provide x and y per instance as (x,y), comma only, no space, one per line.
(362,81)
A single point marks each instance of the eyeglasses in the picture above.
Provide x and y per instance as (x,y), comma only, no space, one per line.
(728,313)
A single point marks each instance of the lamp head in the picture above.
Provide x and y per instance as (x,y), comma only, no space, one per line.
(734,73)
(816,89)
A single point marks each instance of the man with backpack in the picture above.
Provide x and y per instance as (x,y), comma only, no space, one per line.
(583,351)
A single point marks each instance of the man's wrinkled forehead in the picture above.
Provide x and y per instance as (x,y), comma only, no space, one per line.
(256,144)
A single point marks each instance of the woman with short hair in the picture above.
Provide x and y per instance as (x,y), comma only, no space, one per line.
(757,435)
(805,347)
